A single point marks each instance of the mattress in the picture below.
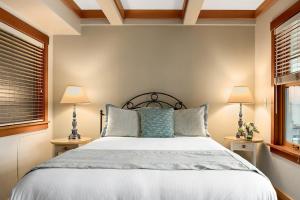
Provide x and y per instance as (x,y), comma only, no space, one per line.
(144,184)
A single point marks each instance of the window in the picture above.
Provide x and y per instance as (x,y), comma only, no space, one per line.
(23,76)
(21,81)
(286,81)
(292,114)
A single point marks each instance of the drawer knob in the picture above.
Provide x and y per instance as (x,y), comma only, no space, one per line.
(243,146)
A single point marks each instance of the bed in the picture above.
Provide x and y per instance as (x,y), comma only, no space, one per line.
(134,168)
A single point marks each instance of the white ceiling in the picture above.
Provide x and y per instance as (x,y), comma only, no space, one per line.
(88,4)
(153,4)
(175,4)
(231,4)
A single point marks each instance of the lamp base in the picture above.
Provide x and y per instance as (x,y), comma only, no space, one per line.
(240,123)
(74,136)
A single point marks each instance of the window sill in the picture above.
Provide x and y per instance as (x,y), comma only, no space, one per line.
(22,128)
(286,152)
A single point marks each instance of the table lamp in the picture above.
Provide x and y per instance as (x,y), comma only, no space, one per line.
(241,95)
(74,95)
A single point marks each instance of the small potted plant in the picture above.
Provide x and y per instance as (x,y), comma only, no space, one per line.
(240,132)
(249,129)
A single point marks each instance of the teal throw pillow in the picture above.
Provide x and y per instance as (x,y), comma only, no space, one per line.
(157,123)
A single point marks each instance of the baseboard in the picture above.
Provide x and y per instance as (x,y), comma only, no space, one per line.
(282,196)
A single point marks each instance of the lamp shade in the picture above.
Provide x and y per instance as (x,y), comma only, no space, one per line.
(74,95)
(240,94)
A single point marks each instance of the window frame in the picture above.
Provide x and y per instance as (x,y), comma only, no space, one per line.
(21,26)
(278,144)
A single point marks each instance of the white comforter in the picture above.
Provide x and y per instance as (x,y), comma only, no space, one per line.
(141,184)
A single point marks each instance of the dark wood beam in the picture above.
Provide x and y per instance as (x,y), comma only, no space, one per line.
(92,14)
(264,7)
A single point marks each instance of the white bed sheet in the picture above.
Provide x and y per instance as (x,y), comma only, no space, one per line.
(140,184)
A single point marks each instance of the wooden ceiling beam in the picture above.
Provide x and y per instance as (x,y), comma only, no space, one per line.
(111,11)
(92,14)
(73,6)
(83,13)
(120,8)
(264,7)
(192,12)
(185,3)
(168,14)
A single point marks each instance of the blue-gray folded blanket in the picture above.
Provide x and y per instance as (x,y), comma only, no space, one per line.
(148,159)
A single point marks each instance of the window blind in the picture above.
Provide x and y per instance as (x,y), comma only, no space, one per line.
(287,52)
(21,80)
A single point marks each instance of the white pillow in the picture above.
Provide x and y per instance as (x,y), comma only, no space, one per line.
(122,123)
(190,122)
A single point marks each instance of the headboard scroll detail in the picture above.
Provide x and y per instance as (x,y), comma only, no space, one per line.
(150,99)
(154,98)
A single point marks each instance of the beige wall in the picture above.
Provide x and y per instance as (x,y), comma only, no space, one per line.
(196,64)
(19,153)
(283,173)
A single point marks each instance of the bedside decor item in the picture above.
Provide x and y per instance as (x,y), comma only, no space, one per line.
(250,128)
(241,95)
(74,95)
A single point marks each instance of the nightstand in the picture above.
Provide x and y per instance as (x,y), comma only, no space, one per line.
(241,144)
(64,144)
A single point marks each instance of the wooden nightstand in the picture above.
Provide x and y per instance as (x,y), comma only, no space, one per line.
(241,144)
(64,144)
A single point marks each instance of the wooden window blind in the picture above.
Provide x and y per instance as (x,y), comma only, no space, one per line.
(21,80)
(287,52)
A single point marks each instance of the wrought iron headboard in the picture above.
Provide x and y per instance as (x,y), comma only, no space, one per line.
(150,99)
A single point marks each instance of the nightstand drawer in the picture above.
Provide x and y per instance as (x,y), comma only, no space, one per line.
(238,146)
(241,144)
